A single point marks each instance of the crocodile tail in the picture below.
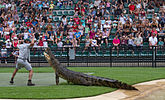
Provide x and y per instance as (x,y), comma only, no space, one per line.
(115,84)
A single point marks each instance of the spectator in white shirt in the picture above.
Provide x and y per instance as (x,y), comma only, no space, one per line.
(153,41)
(8,44)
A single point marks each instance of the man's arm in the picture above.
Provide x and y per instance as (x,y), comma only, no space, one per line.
(32,43)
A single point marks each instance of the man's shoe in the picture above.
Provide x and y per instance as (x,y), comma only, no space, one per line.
(11,81)
(30,83)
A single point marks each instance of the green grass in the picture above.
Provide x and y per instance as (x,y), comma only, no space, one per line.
(127,74)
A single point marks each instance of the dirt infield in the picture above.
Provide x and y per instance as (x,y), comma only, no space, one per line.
(40,79)
(146,92)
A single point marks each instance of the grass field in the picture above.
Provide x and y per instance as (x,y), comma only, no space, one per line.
(125,74)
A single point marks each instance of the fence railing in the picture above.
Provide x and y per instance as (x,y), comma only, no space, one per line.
(98,57)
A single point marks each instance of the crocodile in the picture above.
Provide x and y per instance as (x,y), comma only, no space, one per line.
(79,78)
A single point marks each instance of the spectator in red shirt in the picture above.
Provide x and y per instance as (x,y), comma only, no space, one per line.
(82,10)
(116,43)
(77,9)
(74,27)
(28,23)
(7,36)
(40,43)
(77,20)
(154,31)
(131,7)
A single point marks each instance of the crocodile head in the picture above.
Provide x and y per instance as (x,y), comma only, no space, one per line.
(46,54)
(51,58)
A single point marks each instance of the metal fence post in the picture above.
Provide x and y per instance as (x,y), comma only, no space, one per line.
(155,56)
(110,56)
(87,56)
(67,48)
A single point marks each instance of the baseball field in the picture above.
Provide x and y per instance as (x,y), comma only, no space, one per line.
(45,88)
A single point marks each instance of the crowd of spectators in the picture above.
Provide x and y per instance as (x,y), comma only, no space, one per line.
(125,23)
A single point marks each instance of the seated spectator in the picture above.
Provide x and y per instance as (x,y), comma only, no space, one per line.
(3,54)
(105,36)
(131,7)
(91,34)
(150,7)
(116,43)
(124,43)
(131,45)
(97,2)
(45,43)
(98,37)
(51,6)
(83,21)
(153,41)
(68,41)
(59,3)
(120,26)
(40,42)
(81,28)
(78,36)
(15,53)
(122,19)
(74,42)
(60,44)
(154,23)
(70,23)
(160,43)
(138,5)
(15,42)
(146,34)
(51,39)
(26,34)
(65,22)
(87,43)
(106,25)
(77,9)
(49,30)
(94,44)
(161,34)
(162,21)
(58,35)
(77,20)
(74,27)
(82,10)
(61,28)
(8,44)
(138,42)
(154,31)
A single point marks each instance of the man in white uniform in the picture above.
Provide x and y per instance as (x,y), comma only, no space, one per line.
(24,50)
